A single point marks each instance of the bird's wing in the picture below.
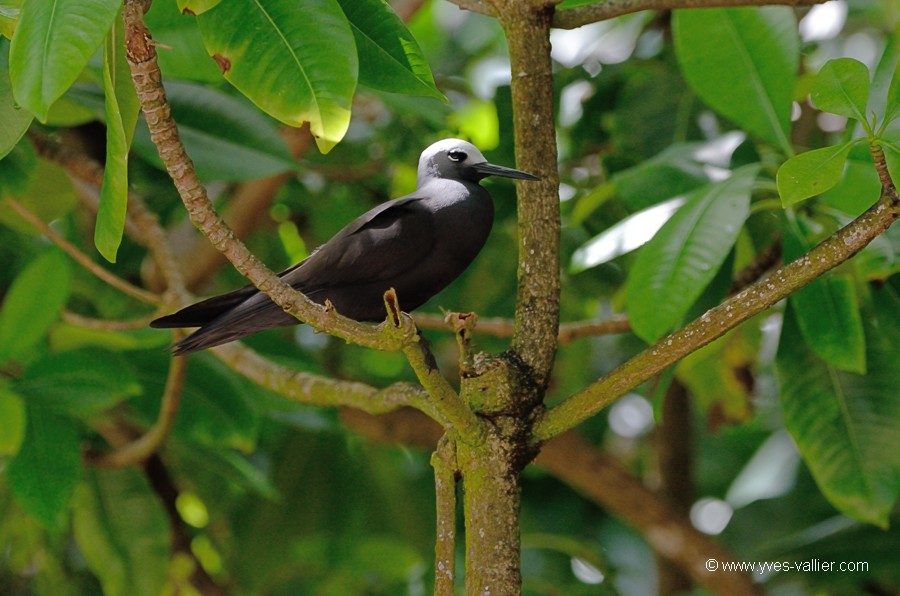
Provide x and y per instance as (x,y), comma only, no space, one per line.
(377,246)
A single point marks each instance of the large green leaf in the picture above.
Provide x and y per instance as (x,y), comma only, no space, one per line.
(123,532)
(296,62)
(390,57)
(196,6)
(122,109)
(827,311)
(811,173)
(79,383)
(43,475)
(33,303)
(227,138)
(743,63)
(847,426)
(842,87)
(53,42)
(672,269)
(14,121)
(9,16)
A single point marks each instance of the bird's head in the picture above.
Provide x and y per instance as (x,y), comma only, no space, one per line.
(454,159)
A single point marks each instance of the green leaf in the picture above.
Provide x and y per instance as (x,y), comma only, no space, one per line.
(892,159)
(827,309)
(182,54)
(34,301)
(672,269)
(309,55)
(811,173)
(847,426)
(743,63)
(40,186)
(842,87)
(227,138)
(53,42)
(79,383)
(43,475)
(196,6)
(12,422)
(123,532)
(859,186)
(122,109)
(14,121)
(391,59)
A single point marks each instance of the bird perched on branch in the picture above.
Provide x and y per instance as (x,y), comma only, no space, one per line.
(416,244)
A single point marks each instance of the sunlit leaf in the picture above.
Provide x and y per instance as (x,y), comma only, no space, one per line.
(309,55)
(53,42)
(743,63)
(811,173)
(123,532)
(672,269)
(23,318)
(9,16)
(43,475)
(842,87)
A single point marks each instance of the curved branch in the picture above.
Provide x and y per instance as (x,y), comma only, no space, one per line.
(499,327)
(834,250)
(142,448)
(572,18)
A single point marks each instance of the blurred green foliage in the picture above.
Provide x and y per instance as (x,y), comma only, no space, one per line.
(274,497)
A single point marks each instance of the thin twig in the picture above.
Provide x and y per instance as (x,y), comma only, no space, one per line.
(106,324)
(81,258)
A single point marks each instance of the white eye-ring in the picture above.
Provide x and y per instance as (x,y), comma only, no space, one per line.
(457,155)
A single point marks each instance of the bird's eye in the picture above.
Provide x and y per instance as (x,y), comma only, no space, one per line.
(457,155)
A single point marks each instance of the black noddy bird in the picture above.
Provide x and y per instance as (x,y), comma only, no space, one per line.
(416,244)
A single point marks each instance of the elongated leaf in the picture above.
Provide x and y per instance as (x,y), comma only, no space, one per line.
(392,61)
(625,236)
(122,530)
(227,138)
(742,62)
(183,55)
(672,269)
(297,65)
(811,173)
(827,311)
(12,422)
(43,475)
(122,110)
(846,426)
(24,318)
(14,121)
(79,383)
(842,87)
(53,42)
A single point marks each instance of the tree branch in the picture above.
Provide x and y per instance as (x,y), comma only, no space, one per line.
(834,250)
(572,18)
(499,327)
(446,477)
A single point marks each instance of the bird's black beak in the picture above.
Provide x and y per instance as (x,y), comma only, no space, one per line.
(488,169)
